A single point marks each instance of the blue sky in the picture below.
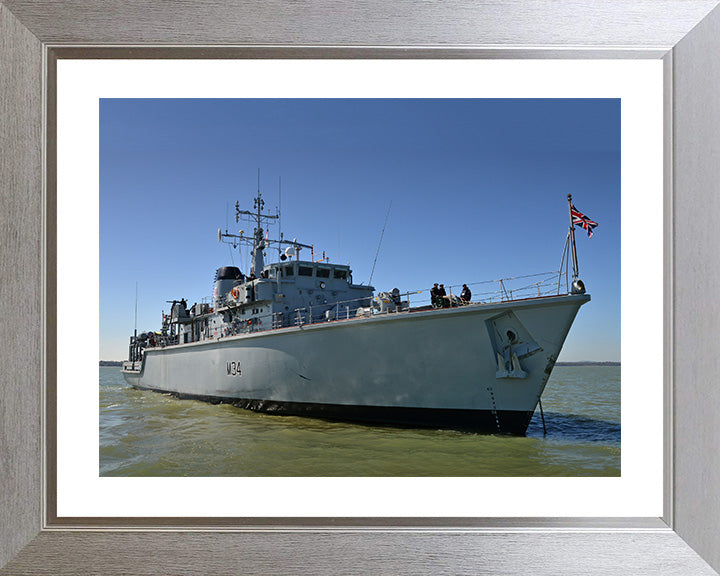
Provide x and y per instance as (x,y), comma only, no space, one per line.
(478,190)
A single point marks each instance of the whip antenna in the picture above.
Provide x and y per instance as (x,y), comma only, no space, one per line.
(136,298)
(279,212)
(380,243)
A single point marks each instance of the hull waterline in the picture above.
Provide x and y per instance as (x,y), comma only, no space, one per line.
(479,367)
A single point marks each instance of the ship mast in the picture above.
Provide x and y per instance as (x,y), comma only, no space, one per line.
(576,272)
(258,262)
(258,240)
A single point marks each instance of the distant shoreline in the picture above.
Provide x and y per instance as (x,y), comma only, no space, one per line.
(584,363)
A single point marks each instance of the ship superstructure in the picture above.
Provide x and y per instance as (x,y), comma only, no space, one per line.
(299,337)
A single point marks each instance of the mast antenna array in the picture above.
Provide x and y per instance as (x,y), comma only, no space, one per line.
(258,241)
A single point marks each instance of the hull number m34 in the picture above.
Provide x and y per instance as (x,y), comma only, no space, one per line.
(233,369)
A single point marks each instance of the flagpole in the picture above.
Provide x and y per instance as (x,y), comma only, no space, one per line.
(576,272)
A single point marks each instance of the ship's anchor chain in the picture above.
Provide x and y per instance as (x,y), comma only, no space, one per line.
(494,408)
(542,415)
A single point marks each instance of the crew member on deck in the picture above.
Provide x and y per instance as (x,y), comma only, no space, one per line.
(465,295)
(434,293)
(445,301)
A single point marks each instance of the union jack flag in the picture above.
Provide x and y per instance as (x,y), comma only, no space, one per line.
(581,220)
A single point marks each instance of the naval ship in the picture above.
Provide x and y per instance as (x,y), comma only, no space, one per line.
(301,337)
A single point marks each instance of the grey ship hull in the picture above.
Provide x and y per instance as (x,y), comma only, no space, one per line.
(478,367)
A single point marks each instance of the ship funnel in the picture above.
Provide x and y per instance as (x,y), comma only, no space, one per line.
(225,278)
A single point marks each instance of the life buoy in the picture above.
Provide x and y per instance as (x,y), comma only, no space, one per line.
(235,292)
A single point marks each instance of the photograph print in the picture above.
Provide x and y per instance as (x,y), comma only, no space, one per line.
(360,287)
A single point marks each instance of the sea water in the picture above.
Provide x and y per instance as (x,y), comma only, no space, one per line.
(145,433)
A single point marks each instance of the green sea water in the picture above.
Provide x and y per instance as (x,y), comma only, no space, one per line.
(145,433)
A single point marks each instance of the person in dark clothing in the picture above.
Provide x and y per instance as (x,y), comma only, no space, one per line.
(465,295)
(434,295)
(442,297)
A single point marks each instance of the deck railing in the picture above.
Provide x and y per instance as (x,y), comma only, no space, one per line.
(502,290)
(493,291)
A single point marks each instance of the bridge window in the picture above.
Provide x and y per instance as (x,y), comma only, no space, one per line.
(289,270)
(323,273)
(305,271)
(340,274)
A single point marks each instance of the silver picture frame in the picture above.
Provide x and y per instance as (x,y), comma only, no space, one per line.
(684,34)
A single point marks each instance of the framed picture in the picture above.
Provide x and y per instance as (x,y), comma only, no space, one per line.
(37,539)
